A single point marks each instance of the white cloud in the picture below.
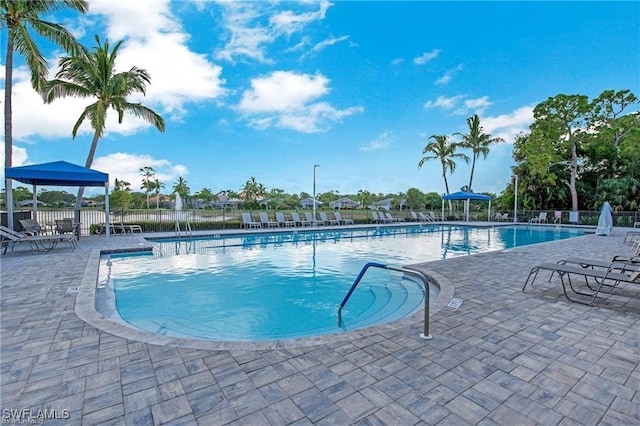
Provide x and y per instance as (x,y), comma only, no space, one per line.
(397,61)
(446,78)
(381,142)
(443,102)
(286,99)
(126,167)
(426,57)
(507,126)
(152,34)
(461,103)
(253,26)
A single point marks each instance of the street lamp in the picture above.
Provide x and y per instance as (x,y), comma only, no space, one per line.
(515,202)
(314,191)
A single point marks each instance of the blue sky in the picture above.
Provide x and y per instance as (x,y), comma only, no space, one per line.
(268,89)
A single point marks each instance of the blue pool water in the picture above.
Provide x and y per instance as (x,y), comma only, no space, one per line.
(287,285)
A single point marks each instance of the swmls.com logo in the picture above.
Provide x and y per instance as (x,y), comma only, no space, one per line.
(27,415)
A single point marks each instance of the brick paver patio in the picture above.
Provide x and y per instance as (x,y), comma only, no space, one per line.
(502,357)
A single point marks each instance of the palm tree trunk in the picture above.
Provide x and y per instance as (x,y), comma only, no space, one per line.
(446,186)
(89,162)
(8,135)
(473,167)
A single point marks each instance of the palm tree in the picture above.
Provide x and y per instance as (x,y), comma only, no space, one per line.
(440,148)
(148,183)
(477,141)
(157,186)
(18,17)
(180,187)
(94,76)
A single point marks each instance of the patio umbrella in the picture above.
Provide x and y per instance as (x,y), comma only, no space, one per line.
(605,221)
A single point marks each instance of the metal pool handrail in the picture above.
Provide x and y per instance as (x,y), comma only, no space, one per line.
(425,334)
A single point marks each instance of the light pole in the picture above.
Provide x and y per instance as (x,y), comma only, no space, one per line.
(314,190)
(515,202)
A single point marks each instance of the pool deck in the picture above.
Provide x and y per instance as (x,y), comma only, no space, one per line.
(502,357)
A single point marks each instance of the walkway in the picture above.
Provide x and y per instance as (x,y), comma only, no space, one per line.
(501,357)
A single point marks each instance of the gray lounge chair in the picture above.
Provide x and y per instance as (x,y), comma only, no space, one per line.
(248,222)
(38,243)
(284,222)
(312,220)
(341,220)
(611,276)
(325,219)
(264,220)
(298,221)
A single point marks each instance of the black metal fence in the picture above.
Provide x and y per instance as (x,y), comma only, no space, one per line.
(164,220)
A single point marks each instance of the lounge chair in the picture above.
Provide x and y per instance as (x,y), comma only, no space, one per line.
(264,220)
(32,227)
(375,218)
(542,217)
(611,276)
(38,243)
(325,219)
(414,217)
(65,226)
(284,222)
(341,220)
(425,218)
(434,217)
(393,219)
(301,222)
(248,222)
(313,220)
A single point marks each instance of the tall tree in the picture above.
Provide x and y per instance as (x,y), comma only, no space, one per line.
(94,76)
(180,187)
(442,149)
(21,18)
(148,182)
(478,142)
(560,120)
(157,186)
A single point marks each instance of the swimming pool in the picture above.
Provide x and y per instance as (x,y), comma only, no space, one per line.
(270,286)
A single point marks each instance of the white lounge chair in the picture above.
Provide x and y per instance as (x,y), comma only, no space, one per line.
(542,217)
(325,219)
(297,221)
(414,217)
(266,223)
(284,222)
(434,217)
(425,218)
(342,221)
(393,219)
(312,220)
(248,222)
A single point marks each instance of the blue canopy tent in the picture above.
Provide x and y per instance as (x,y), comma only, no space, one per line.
(467,196)
(57,173)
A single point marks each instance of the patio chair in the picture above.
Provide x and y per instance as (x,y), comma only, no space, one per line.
(38,243)
(284,222)
(542,217)
(248,222)
(297,220)
(325,219)
(414,216)
(393,219)
(341,220)
(65,226)
(424,218)
(614,274)
(434,217)
(374,217)
(32,227)
(312,220)
(264,220)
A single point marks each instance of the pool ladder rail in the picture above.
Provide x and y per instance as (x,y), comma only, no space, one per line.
(425,332)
